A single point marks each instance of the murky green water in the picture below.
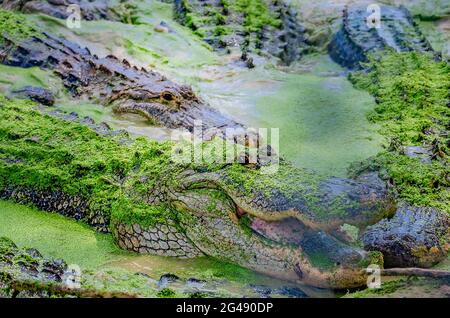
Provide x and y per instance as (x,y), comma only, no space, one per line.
(60,237)
(321,119)
(320,115)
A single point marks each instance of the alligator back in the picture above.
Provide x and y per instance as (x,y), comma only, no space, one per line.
(358,36)
(90,10)
(269,27)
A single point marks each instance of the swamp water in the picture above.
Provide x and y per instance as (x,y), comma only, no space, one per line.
(321,117)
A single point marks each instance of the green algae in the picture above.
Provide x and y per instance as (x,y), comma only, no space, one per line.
(257,14)
(264,97)
(57,236)
(166,293)
(104,265)
(16,26)
(177,53)
(61,237)
(386,289)
(418,183)
(437,34)
(412,94)
(71,158)
(249,17)
(424,9)
(411,287)
(322,120)
(321,261)
(14,78)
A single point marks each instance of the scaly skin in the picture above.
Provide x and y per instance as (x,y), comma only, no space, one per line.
(25,273)
(194,208)
(202,209)
(115,83)
(264,26)
(356,38)
(90,10)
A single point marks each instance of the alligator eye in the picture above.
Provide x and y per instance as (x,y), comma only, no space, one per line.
(240,212)
(168,96)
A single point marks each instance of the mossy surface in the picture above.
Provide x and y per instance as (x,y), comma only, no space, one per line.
(321,117)
(412,91)
(257,14)
(437,34)
(45,153)
(15,26)
(41,152)
(205,20)
(60,237)
(411,287)
(262,97)
(14,78)
(386,289)
(104,266)
(57,236)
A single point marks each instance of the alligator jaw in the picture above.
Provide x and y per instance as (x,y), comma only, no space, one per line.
(219,229)
(323,205)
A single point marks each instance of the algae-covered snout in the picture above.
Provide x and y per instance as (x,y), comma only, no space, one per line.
(253,228)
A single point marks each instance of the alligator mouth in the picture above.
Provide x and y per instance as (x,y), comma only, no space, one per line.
(324,206)
(287,231)
(287,236)
(284,248)
(314,244)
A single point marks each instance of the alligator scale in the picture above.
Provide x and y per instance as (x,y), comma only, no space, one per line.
(287,225)
(358,36)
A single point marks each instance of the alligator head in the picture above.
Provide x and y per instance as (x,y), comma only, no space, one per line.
(284,224)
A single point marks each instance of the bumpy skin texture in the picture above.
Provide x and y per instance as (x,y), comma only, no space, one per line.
(210,202)
(37,94)
(160,239)
(90,10)
(356,38)
(206,209)
(320,205)
(116,83)
(413,237)
(25,273)
(286,42)
(317,203)
(19,265)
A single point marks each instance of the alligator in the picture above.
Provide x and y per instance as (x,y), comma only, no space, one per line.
(413,237)
(115,83)
(89,10)
(285,224)
(357,38)
(221,24)
(25,273)
(263,26)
